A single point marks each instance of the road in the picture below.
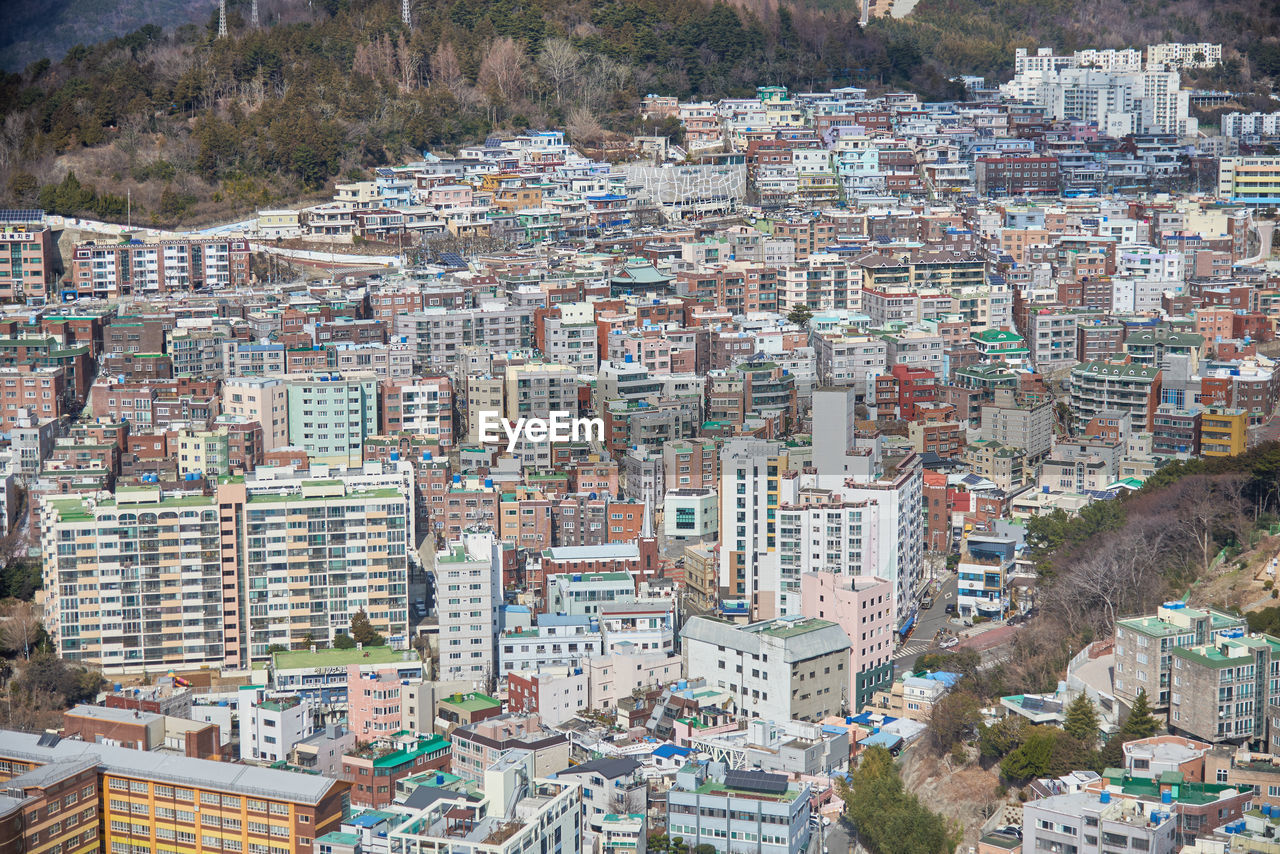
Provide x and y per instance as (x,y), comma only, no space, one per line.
(927,624)
(836,838)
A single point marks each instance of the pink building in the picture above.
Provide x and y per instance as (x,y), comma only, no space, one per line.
(616,675)
(448,196)
(862,605)
(373,703)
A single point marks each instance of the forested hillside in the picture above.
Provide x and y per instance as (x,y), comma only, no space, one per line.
(199,128)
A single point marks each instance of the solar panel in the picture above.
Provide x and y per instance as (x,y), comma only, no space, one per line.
(757,781)
(30,215)
(48,739)
(452,259)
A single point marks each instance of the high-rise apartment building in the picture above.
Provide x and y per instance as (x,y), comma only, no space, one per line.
(150,580)
(468,593)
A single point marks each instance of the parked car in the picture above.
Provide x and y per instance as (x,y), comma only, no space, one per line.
(951,610)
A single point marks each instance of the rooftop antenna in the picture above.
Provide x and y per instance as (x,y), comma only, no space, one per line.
(222,19)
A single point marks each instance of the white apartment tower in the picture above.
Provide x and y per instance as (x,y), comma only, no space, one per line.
(468,593)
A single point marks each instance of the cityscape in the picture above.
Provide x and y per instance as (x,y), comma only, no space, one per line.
(797,472)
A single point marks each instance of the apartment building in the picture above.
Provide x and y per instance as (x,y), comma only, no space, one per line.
(261,399)
(29,261)
(792,668)
(330,415)
(437,335)
(149,580)
(862,605)
(1251,180)
(744,812)
(518,811)
(1090,824)
(422,405)
(38,391)
(1019,421)
(1221,690)
(468,592)
(1098,387)
(109,271)
(1144,647)
(477,746)
(142,799)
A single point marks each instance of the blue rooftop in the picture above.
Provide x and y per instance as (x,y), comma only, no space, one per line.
(667,751)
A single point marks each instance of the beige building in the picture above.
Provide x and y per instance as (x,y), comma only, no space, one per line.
(261,399)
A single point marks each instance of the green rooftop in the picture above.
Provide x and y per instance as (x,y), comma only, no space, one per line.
(1194,794)
(339,838)
(714,787)
(337,657)
(473,702)
(404,757)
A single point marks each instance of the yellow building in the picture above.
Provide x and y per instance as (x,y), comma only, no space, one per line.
(1223,432)
(178,805)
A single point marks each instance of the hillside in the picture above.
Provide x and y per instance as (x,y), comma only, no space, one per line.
(47,29)
(966,36)
(199,129)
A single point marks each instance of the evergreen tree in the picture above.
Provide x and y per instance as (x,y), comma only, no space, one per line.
(362,631)
(1140,723)
(1082,720)
(800,315)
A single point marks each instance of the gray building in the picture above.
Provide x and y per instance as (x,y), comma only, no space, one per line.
(436,334)
(791,668)
(1144,647)
(1021,424)
(743,812)
(1221,690)
(1090,823)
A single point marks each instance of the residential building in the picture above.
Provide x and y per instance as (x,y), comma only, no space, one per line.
(706,802)
(330,415)
(1144,647)
(1221,690)
(374,769)
(518,811)
(1122,385)
(141,799)
(270,727)
(468,592)
(1090,824)
(862,605)
(785,669)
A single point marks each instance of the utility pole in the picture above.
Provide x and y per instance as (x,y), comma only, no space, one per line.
(253,14)
(222,19)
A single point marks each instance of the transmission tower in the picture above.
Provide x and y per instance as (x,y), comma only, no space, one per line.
(222,19)
(253,14)
(404,14)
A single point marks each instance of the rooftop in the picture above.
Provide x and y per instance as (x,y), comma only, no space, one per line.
(339,658)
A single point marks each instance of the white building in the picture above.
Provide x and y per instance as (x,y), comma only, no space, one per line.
(271,726)
(517,813)
(792,668)
(1251,124)
(690,513)
(468,593)
(1172,56)
(557,641)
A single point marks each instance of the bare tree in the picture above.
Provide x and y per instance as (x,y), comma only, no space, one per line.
(559,62)
(503,71)
(1198,513)
(583,126)
(19,625)
(446,71)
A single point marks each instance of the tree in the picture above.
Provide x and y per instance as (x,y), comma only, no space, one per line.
(362,632)
(888,819)
(19,626)
(559,62)
(1140,723)
(953,718)
(343,641)
(800,314)
(1082,720)
(1002,737)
